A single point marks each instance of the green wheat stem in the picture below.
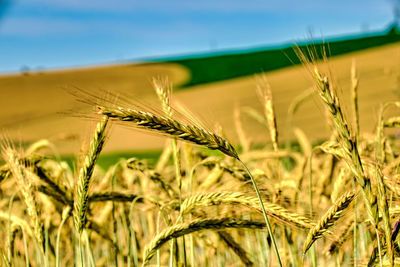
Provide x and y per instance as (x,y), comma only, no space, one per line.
(264,213)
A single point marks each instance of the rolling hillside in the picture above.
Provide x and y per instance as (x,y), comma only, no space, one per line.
(38,105)
(219,66)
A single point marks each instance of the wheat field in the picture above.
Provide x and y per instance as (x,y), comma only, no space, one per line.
(207,201)
(39,105)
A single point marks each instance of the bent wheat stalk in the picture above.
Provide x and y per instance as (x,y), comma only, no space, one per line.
(190,133)
(330,217)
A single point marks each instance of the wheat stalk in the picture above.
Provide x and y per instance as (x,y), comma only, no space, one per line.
(188,133)
(327,221)
(85,174)
(383,202)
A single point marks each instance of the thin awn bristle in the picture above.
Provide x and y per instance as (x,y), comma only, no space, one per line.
(327,221)
(172,128)
(85,174)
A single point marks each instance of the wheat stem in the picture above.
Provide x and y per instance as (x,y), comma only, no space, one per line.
(264,213)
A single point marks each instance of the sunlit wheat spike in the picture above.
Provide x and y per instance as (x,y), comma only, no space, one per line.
(264,90)
(327,221)
(349,143)
(195,226)
(163,90)
(85,174)
(171,127)
(234,198)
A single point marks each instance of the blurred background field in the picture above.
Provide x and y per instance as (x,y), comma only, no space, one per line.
(37,105)
(149,196)
(35,102)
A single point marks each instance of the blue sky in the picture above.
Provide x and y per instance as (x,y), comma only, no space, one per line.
(46,34)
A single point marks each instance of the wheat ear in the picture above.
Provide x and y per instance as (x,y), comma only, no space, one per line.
(25,185)
(234,198)
(85,174)
(264,91)
(348,142)
(195,226)
(171,128)
(383,202)
(330,217)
